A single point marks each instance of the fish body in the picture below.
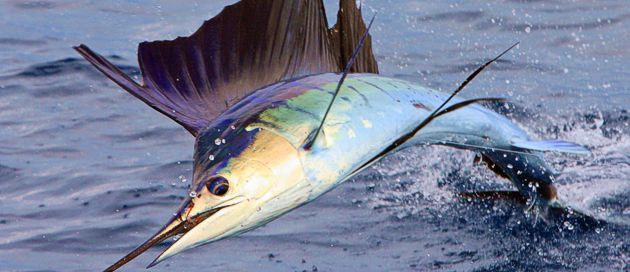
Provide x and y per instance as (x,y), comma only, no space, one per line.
(372,112)
(261,88)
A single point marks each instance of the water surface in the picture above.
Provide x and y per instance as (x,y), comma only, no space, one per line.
(87,172)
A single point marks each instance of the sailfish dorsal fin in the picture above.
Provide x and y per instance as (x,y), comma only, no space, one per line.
(250,44)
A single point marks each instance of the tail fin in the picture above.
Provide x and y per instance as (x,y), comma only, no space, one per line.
(554,213)
(552,145)
(250,44)
(528,172)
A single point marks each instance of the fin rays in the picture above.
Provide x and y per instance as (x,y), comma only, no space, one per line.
(311,140)
(248,45)
(166,107)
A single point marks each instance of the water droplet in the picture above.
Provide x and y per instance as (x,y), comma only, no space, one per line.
(510,166)
(217,141)
(223,141)
(598,230)
(528,29)
(193,194)
(232,127)
(211,157)
(568,225)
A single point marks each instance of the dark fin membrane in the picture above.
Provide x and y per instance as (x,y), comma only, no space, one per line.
(529,173)
(250,44)
(162,104)
(493,167)
(345,37)
(536,192)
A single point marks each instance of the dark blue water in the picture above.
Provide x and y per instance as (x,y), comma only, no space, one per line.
(87,172)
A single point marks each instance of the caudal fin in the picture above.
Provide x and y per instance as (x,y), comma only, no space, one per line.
(551,213)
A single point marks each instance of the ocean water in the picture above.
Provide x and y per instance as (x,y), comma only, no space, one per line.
(87,172)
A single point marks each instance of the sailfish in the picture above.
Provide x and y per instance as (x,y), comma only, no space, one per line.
(284,108)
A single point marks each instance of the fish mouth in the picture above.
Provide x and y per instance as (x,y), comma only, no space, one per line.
(179,224)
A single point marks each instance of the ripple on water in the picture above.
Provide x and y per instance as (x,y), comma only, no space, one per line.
(88,172)
(596,184)
(71,65)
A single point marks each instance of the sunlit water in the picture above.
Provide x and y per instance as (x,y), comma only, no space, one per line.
(87,172)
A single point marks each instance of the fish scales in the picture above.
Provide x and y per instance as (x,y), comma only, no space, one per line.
(372,112)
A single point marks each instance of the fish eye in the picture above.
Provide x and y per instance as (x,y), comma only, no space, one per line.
(218,185)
